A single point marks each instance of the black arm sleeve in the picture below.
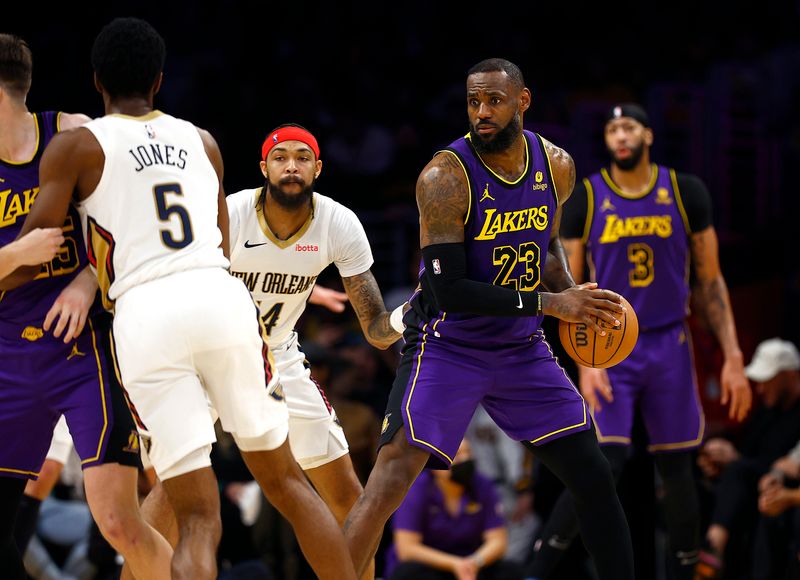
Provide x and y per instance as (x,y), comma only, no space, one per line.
(573,213)
(446,271)
(696,201)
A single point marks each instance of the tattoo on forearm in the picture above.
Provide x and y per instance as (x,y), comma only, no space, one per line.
(365,296)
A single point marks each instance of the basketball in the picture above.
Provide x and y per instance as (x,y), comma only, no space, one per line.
(588,348)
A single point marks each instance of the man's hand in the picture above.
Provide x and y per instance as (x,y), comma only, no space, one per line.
(735,388)
(329,298)
(71,308)
(777,500)
(38,246)
(582,303)
(716,454)
(770,481)
(594,382)
(465,569)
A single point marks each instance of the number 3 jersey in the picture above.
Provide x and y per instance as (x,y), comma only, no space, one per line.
(280,274)
(154,211)
(637,245)
(506,236)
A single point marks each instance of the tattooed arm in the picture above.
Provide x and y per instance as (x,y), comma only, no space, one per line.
(365,296)
(442,198)
(715,302)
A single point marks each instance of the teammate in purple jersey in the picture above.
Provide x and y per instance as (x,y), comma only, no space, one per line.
(638,226)
(489,212)
(45,375)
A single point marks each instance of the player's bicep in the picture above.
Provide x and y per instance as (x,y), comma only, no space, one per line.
(58,178)
(705,254)
(215,157)
(443,201)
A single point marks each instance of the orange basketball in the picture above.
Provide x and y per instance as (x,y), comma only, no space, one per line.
(590,349)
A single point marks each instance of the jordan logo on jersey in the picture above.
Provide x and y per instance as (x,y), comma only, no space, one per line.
(486,194)
(607,205)
(75,352)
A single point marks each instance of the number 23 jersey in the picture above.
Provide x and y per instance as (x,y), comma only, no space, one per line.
(154,211)
(280,274)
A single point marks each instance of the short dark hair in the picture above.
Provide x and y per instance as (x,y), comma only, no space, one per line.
(500,65)
(287,125)
(16,65)
(128,56)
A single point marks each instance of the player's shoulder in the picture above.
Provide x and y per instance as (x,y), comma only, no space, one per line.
(67,121)
(243,199)
(329,207)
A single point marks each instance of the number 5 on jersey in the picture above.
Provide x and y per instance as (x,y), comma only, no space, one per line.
(165,213)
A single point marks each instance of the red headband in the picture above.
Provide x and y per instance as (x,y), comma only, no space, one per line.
(288,134)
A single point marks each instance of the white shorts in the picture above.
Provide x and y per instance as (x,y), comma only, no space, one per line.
(61,445)
(315,435)
(190,339)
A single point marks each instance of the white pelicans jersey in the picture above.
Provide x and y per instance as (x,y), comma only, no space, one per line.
(154,211)
(280,274)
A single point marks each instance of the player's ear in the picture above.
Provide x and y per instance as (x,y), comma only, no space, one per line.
(97,84)
(157,84)
(318,170)
(525,99)
(648,136)
(263,165)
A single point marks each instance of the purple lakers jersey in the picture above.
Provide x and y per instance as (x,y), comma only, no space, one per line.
(23,309)
(506,236)
(637,245)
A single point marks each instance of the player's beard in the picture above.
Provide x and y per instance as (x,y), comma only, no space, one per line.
(290,200)
(501,141)
(633,159)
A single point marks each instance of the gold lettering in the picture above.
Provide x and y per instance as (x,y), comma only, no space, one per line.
(616,227)
(512,221)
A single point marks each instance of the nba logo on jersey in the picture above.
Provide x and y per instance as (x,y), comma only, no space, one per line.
(150,131)
(437,267)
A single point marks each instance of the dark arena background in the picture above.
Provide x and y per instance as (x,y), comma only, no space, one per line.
(381,85)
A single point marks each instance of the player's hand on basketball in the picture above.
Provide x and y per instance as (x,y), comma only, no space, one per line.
(329,298)
(39,246)
(582,303)
(735,389)
(71,308)
(594,384)
(465,569)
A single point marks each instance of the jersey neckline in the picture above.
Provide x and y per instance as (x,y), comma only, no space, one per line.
(37,122)
(265,229)
(615,188)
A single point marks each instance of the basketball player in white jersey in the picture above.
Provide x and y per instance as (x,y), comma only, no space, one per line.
(282,236)
(149,190)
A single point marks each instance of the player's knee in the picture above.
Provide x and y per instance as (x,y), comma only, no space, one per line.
(122,529)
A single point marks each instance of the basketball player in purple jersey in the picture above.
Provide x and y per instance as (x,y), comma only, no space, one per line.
(44,376)
(489,211)
(638,225)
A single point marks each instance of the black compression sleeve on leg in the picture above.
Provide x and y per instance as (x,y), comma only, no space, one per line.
(11,490)
(578,462)
(681,510)
(446,270)
(27,517)
(561,527)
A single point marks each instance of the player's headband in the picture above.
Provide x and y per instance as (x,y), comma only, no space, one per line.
(631,110)
(288,134)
